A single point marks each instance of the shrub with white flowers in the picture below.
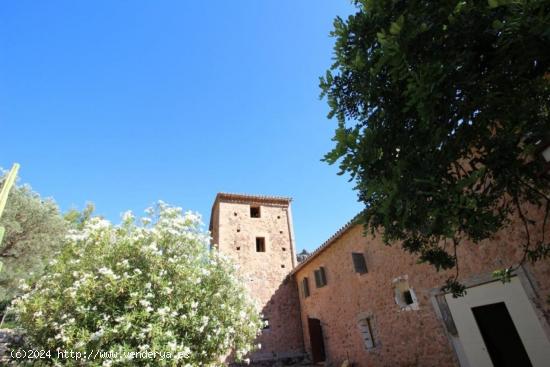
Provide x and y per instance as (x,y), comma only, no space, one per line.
(149,287)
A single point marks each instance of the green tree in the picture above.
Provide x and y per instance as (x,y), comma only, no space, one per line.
(149,287)
(34,233)
(442,110)
(77,219)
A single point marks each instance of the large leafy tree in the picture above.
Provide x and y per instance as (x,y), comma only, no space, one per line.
(442,110)
(34,233)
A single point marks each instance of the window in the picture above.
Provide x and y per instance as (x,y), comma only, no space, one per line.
(254,212)
(407,297)
(260,244)
(320,277)
(359,262)
(305,287)
(267,326)
(365,328)
(404,295)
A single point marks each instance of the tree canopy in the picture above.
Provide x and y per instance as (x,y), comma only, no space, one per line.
(442,110)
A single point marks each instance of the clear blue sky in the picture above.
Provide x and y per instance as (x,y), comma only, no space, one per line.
(123,103)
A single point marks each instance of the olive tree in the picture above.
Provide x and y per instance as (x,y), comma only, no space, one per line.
(34,233)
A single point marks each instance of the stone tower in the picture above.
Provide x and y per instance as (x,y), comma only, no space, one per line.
(256,231)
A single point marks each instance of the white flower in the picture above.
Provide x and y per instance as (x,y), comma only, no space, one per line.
(144,303)
(163,311)
(108,273)
(98,334)
(127,216)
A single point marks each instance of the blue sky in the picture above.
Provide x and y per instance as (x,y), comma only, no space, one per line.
(123,103)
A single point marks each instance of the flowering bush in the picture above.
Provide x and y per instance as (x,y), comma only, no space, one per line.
(150,287)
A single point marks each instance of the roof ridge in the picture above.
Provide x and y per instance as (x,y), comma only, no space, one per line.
(329,241)
(252,196)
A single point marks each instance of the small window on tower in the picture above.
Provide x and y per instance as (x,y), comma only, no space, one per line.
(254,212)
(260,244)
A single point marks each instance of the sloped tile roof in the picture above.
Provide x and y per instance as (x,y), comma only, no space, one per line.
(332,239)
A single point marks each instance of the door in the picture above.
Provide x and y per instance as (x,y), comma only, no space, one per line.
(498,326)
(316,340)
(501,337)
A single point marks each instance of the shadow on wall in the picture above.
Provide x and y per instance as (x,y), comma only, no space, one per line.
(282,338)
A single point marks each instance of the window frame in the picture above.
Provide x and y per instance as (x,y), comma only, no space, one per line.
(365,328)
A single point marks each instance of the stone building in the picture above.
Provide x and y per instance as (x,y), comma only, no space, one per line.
(256,231)
(358,300)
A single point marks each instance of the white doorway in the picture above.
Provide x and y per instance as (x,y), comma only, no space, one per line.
(497,327)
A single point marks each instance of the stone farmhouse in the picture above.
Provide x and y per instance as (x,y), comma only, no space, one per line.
(356,300)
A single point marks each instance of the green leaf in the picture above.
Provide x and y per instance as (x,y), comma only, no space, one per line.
(395,27)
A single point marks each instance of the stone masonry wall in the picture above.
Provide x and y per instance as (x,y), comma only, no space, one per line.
(403,338)
(266,273)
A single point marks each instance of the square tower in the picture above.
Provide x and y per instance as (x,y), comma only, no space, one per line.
(256,232)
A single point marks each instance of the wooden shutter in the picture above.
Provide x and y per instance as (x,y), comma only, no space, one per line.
(323,276)
(318,278)
(359,262)
(305,287)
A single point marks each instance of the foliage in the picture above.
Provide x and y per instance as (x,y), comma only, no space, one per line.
(7,184)
(77,219)
(34,232)
(442,108)
(150,287)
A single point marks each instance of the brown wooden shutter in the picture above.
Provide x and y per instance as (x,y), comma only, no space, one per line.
(323,275)
(305,287)
(318,279)
(359,262)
